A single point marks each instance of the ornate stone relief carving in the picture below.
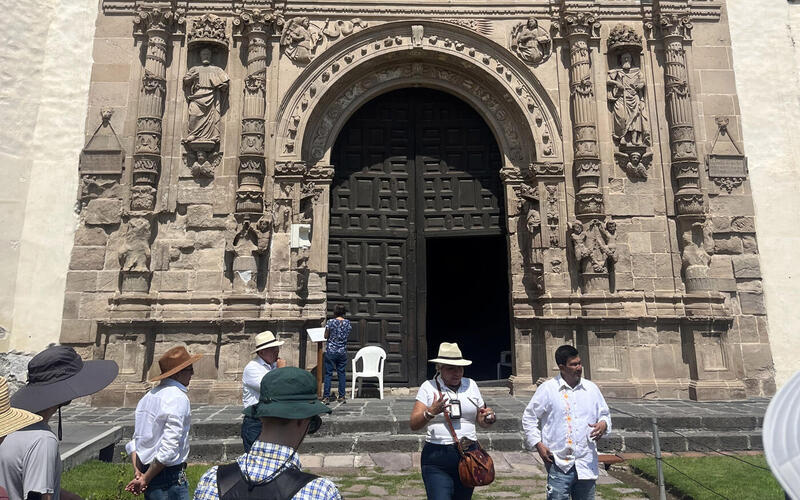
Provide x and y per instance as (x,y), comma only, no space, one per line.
(728,171)
(342,27)
(594,248)
(300,39)
(205,86)
(553,214)
(482,26)
(496,104)
(203,164)
(290,168)
(530,235)
(134,255)
(530,42)
(248,246)
(635,163)
(698,247)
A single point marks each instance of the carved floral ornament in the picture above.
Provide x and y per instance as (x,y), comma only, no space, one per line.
(516,91)
(157,18)
(208,30)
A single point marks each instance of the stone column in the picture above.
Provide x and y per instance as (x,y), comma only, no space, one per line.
(697,245)
(590,243)
(255,26)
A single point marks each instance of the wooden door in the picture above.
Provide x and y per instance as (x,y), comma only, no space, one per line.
(409,165)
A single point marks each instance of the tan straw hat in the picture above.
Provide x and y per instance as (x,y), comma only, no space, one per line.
(12,419)
(173,361)
(450,354)
(265,340)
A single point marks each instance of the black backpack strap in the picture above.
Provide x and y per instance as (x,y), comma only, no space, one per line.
(289,482)
(227,477)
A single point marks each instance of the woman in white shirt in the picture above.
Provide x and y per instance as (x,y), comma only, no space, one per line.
(450,392)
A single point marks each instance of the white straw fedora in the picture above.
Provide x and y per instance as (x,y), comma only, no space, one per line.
(450,354)
(12,419)
(265,340)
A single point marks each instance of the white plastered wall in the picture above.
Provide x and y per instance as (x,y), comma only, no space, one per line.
(766,63)
(45,66)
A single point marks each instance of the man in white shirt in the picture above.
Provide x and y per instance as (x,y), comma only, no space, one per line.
(266,360)
(574,415)
(160,443)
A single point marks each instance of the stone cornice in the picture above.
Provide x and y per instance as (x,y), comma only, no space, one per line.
(701,10)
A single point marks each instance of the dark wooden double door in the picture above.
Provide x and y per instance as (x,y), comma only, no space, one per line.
(411,167)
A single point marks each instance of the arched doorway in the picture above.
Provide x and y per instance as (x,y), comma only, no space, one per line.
(417,247)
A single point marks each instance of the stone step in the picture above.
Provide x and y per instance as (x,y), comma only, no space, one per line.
(225,448)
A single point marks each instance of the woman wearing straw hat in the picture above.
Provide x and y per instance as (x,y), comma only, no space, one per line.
(449,391)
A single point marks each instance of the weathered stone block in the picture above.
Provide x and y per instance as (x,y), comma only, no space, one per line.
(721,267)
(202,217)
(81,281)
(712,58)
(639,242)
(749,285)
(111,72)
(664,265)
(731,205)
(90,236)
(749,244)
(746,266)
(658,242)
(752,303)
(721,224)
(77,331)
(718,81)
(643,266)
(71,302)
(190,193)
(208,281)
(87,258)
(103,211)
(174,281)
(757,359)
(107,281)
(728,245)
(93,306)
(743,224)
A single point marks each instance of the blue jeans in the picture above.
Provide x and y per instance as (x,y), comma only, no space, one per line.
(251,429)
(563,486)
(335,361)
(440,473)
(169,484)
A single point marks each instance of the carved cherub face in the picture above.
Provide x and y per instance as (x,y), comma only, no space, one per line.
(636,157)
(611,226)
(625,60)
(201,156)
(205,56)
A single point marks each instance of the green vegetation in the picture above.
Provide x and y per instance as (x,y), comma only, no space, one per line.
(97,480)
(726,476)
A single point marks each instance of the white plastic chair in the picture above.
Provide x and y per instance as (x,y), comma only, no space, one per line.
(505,360)
(372,357)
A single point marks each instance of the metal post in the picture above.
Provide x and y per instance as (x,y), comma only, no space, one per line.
(662,492)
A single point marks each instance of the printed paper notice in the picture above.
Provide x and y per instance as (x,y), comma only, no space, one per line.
(316,334)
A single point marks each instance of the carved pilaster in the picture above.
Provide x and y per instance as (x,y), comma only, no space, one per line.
(154,24)
(255,26)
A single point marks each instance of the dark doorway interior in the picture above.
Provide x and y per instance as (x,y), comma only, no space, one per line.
(467,281)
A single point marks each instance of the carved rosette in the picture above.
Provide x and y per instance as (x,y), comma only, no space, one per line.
(255,26)
(154,23)
(578,28)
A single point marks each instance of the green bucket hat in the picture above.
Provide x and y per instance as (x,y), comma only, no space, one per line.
(288,392)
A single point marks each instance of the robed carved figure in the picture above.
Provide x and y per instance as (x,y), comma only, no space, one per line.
(626,91)
(206,86)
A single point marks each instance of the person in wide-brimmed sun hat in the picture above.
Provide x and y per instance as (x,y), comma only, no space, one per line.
(267,349)
(12,419)
(458,398)
(56,376)
(160,443)
(288,409)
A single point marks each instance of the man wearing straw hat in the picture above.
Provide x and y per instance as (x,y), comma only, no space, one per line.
(11,419)
(266,351)
(288,409)
(30,462)
(160,443)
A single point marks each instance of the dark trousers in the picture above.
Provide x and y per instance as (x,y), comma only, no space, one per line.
(335,361)
(251,429)
(169,484)
(440,473)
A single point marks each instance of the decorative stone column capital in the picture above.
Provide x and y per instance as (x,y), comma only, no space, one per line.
(579,24)
(157,18)
(257,22)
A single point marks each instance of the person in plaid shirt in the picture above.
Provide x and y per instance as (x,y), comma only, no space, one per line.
(288,409)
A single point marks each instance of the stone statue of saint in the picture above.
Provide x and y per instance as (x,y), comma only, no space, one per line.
(530,42)
(205,86)
(298,41)
(626,91)
(698,246)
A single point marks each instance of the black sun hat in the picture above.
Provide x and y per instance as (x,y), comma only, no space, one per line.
(58,375)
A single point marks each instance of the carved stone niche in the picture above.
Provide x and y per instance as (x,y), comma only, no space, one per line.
(206,89)
(529,233)
(134,255)
(627,102)
(247,246)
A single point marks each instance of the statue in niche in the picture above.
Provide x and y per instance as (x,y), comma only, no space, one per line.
(134,253)
(299,40)
(530,42)
(626,91)
(243,245)
(206,85)
(608,240)
(698,247)
(579,243)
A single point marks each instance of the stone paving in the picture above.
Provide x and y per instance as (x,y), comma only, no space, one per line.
(396,476)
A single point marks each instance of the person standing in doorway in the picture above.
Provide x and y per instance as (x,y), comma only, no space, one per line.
(337,331)
(160,444)
(266,351)
(573,416)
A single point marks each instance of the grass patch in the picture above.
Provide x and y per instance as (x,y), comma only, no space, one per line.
(726,476)
(97,480)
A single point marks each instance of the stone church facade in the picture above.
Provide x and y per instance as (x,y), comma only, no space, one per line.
(576,165)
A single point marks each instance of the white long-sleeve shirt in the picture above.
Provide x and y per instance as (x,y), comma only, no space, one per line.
(163,418)
(253,372)
(565,414)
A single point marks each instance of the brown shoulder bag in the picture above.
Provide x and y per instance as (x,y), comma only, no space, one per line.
(476,467)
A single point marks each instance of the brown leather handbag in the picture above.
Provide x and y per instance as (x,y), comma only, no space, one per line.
(476,467)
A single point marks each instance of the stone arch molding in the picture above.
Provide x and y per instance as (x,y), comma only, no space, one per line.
(419,53)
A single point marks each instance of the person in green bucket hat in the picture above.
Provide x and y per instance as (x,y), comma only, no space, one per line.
(288,409)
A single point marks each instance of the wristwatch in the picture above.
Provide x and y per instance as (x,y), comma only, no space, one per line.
(428,415)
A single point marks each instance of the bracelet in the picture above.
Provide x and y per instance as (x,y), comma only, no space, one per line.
(428,415)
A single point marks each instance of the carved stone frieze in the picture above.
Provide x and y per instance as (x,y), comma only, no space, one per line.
(530,42)
(553,213)
(547,169)
(482,26)
(343,27)
(208,29)
(319,172)
(290,168)
(300,39)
